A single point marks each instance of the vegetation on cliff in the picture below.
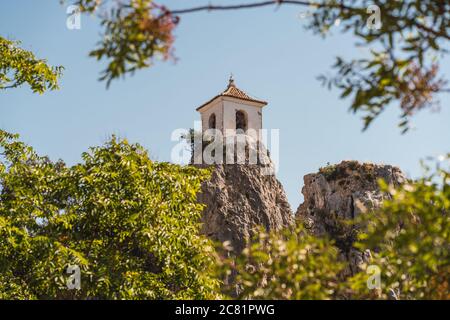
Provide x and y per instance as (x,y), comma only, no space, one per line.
(132,226)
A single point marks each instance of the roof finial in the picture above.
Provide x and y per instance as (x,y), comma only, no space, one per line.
(231,81)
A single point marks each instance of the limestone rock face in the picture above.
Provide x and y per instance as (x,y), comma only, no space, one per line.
(344,191)
(238,198)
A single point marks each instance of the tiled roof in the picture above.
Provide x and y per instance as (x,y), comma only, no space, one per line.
(234,92)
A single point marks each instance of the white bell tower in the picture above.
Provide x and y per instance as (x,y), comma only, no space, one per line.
(232,110)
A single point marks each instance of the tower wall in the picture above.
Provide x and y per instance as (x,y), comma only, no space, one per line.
(253,115)
(216,108)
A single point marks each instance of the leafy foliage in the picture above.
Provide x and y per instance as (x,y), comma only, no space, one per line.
(410,240)
(284,265)
(403,52)
(18,66)
(135,33)
(130,224)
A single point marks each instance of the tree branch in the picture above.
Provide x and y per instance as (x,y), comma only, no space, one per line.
(432,31)
(212,7)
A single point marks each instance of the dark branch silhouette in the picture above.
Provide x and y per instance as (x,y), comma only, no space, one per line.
(212,7)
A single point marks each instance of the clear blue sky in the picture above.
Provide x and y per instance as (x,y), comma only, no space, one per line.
(271,56)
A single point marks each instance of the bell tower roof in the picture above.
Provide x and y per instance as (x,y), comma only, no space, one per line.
(234,92)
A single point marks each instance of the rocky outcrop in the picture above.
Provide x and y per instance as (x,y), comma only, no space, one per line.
(341,192)
(239,198)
